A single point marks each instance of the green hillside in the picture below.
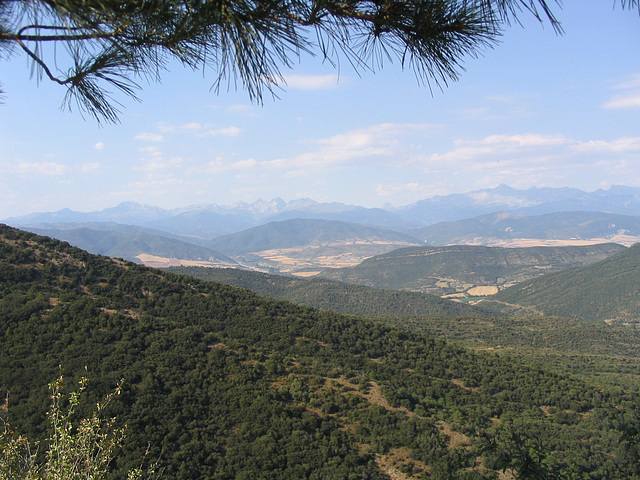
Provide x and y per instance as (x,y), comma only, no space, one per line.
(297,232)
(600,353)
(224,384)
(456,268)
(605,291)
(336,296)
(129,245)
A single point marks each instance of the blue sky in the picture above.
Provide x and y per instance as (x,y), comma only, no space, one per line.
(537,110)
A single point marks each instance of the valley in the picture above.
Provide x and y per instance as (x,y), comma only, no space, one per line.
(245,385)
(324,348)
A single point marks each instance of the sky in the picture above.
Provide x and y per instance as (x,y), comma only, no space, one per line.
(539,109)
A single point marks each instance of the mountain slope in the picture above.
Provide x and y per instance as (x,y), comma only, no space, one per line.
(533,201)
(604,291)
(336,296)
(308,244)
(457,268)
(297,232)
(223,384)
(496,228)
(131,246)
(376,217)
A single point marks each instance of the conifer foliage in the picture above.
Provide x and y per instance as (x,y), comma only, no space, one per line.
(96,47)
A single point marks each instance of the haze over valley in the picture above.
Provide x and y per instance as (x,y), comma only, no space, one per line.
(341,242)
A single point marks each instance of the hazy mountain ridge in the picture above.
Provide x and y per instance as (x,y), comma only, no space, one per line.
(300,232)
(496,228)
(249,232)
(232,218)
(533,201)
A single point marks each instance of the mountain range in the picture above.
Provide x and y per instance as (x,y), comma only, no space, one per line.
(209,221)
(305,238)
(506,229)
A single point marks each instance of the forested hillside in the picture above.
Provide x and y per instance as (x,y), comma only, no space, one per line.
(457,268)
(129,245)
(336,296)
(605,291)
(224,384)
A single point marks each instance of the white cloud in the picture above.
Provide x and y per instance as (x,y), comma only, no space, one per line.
(522,161)
(311,82)
(621,145)
(633,81)
(631,100)
(631,96)
(193,126)
(248,110)
(218,165)
(98,146)
(497,148)
(199,130)
(149,137)
(226,132)
(376,141)
(89,167)
(41,168)
(156,164)
(386,190)
(151,150)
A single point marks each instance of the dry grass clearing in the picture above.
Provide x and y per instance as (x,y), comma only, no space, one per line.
(164,262)
(483,291)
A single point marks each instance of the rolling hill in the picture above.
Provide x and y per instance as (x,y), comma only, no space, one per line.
(137,246)
(305,232)
(222,384)
(298,244)
(503,228)
(458,268)
(337,296)
(604,291)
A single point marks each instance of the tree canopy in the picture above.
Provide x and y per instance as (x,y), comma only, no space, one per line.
(97,47)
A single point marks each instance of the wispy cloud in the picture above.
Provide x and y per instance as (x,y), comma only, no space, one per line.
(630,100)
(529,159)
(495,148)
(48,169)
(620,145)
(149,137)
(157,163)
(89,167)
(377,141)
(218,165)
(311,82)
(200,130)
(499,107)
(630,96)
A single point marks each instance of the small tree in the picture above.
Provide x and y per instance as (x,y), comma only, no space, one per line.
(74,452)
